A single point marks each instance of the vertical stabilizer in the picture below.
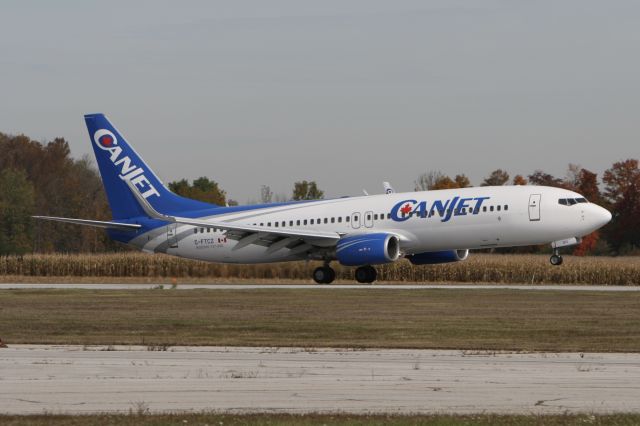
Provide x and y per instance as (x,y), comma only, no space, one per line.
(118,162)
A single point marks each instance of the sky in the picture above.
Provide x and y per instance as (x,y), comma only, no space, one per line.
(348,93)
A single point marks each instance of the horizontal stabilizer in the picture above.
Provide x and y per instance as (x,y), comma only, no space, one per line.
(94,223)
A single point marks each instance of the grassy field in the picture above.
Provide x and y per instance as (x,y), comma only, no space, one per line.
(460,319)
(316,419)
(483,268)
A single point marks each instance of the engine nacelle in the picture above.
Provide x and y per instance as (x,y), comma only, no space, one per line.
(435,257)
(368,249)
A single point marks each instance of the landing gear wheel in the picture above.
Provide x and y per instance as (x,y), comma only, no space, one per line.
(324,275)
(556,260)
(366,274)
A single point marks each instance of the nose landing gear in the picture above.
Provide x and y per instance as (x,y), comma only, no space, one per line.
(556,259)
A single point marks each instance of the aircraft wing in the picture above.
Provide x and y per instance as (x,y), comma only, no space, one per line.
(94,223)
(274,238)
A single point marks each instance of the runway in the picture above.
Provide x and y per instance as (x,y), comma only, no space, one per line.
(159,286)
(73,379)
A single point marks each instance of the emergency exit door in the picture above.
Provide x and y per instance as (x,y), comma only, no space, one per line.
(534,207)
(172,238)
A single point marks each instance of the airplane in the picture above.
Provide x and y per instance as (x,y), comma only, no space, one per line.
(428,227)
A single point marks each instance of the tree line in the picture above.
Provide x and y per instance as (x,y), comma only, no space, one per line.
(43,178)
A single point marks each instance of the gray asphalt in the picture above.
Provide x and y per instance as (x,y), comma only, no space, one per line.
(107,286)
(75,379)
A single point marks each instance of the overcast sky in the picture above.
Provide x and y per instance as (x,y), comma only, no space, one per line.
(347,93)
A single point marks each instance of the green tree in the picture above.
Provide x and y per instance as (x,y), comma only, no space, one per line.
(497,178)
(307,191)
(438,180)
(16,207)
(545,179)
(202,189)
(63,186)
(622,190)
(462,181)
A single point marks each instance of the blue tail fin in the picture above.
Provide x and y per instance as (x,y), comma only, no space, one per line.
(117,161)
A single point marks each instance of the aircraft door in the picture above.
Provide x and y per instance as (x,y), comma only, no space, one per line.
(368,219)
(355,220)
(172,237)
(534,207)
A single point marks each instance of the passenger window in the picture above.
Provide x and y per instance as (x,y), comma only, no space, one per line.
(275,224)
(326,220)
(312,221)
(268,223)
(298,222)
(284,223)
(347,219)
(375,216)
(484,209)
(201,230)
(491,208)
(195,230)
(506,207)
(305,222)
(333,220)
(262,224)
(498,208)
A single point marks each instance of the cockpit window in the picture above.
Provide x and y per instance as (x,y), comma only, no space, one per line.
(571,201)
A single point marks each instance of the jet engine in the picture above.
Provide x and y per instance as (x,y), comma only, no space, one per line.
(435,257)
(368,249)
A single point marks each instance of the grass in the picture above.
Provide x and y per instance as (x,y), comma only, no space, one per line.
(485,268)
(321,419)
(458,319)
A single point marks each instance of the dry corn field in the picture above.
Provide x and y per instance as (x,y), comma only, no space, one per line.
(479,268)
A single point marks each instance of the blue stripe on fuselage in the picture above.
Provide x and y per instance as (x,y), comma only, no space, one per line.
(151,224)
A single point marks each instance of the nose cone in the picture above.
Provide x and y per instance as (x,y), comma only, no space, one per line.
(601,217)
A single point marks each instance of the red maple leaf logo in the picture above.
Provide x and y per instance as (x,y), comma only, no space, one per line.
(406,209)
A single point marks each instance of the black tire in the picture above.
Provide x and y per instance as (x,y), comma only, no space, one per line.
(556,260)
(362,275)
(319,275)
(373,274)
(331,275)
(324,275)
(366,274)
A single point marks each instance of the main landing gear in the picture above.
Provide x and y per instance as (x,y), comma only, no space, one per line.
(556,259)
(366,274)
(324,274)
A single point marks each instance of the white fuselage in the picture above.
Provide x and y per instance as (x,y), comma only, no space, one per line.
(468,218)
